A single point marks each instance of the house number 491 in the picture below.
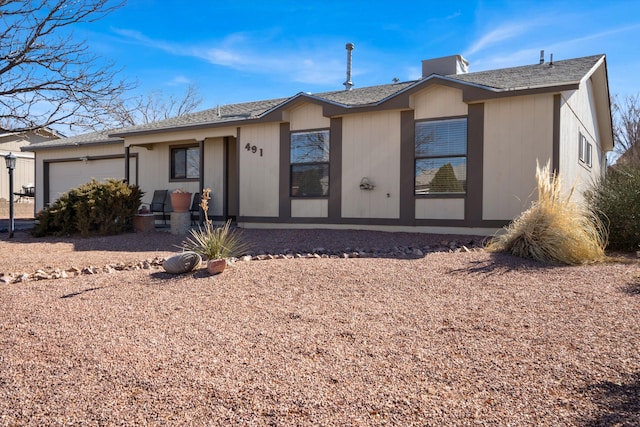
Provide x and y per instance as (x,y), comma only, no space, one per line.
(253,149)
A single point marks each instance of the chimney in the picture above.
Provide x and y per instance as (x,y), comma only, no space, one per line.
(349,84)
(447,65)
(542,57)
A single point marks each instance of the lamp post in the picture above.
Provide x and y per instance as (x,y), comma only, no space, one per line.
(10,159)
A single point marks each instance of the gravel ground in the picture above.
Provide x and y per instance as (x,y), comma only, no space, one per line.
(447,338)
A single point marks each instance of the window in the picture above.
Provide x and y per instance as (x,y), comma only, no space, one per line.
(585,151)
(310,164)
(441,157)
(185,163)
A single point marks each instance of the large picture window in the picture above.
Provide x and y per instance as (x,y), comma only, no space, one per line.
(185,163)
(441,157)
(310,164)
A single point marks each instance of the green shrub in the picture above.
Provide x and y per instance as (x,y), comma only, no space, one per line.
(616,200)
(94,208)
(555,229)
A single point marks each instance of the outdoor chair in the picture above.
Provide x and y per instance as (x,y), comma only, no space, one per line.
(159,202)
(195,209)
(28,192)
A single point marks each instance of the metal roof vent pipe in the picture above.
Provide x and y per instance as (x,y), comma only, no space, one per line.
(542,57)
(349,84)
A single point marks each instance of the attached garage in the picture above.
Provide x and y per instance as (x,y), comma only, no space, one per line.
(62,175)
(66,163)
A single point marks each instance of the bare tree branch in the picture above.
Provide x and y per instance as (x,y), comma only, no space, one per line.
(47,76)
(626,128)
(152,107)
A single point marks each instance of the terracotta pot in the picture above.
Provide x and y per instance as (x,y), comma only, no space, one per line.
(216,266)
(180,202)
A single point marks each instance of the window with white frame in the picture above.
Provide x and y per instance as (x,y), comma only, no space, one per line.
(585,151)
(441,157)
(185,163)
(310,164)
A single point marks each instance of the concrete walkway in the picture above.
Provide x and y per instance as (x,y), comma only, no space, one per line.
(19,224)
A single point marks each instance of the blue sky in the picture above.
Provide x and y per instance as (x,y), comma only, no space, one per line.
(236,51)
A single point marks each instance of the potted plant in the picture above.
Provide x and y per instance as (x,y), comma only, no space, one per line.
(214,244)
(180,200)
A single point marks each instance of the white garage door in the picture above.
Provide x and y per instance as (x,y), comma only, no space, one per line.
(64,176)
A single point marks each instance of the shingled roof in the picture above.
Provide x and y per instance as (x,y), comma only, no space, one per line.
(92,138)
(507,79)
(533,76)
(564,72)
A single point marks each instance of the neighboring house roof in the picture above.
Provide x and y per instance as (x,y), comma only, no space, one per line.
(45,132)
(92,138)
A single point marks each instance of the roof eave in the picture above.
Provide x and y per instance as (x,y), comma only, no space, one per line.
(32,148)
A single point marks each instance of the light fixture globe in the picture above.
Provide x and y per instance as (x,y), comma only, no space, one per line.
(10,159)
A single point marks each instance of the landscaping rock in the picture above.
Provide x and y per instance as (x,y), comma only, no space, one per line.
(182,262)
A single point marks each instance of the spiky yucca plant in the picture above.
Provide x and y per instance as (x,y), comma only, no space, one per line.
(214,242)
(555,229)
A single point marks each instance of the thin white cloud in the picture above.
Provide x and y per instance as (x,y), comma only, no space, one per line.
(453,15)
(504,58)
(498,35)
(241,52)
(602,34)
(179,81)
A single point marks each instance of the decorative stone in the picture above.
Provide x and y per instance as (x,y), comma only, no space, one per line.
(182,263)
(216,266)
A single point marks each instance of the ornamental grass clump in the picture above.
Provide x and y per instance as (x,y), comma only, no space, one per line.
(214,242)
(555,229)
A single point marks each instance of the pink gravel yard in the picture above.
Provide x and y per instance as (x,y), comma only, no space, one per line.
(449,337)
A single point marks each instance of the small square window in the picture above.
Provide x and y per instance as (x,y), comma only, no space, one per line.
(185,163)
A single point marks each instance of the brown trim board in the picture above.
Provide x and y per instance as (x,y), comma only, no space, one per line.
(374,221)
(475,165)
(335,168)
(407,168)
(556,134)
(285,167)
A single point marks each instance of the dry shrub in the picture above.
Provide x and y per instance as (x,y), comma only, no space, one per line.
(215,242)
(555,229)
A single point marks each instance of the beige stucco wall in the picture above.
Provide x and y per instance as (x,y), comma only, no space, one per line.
(577,116)
(317,208)
(307,116)
(259,171)
(371,149)
(438,101)
(517,131)
(188,135)
(440,209)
